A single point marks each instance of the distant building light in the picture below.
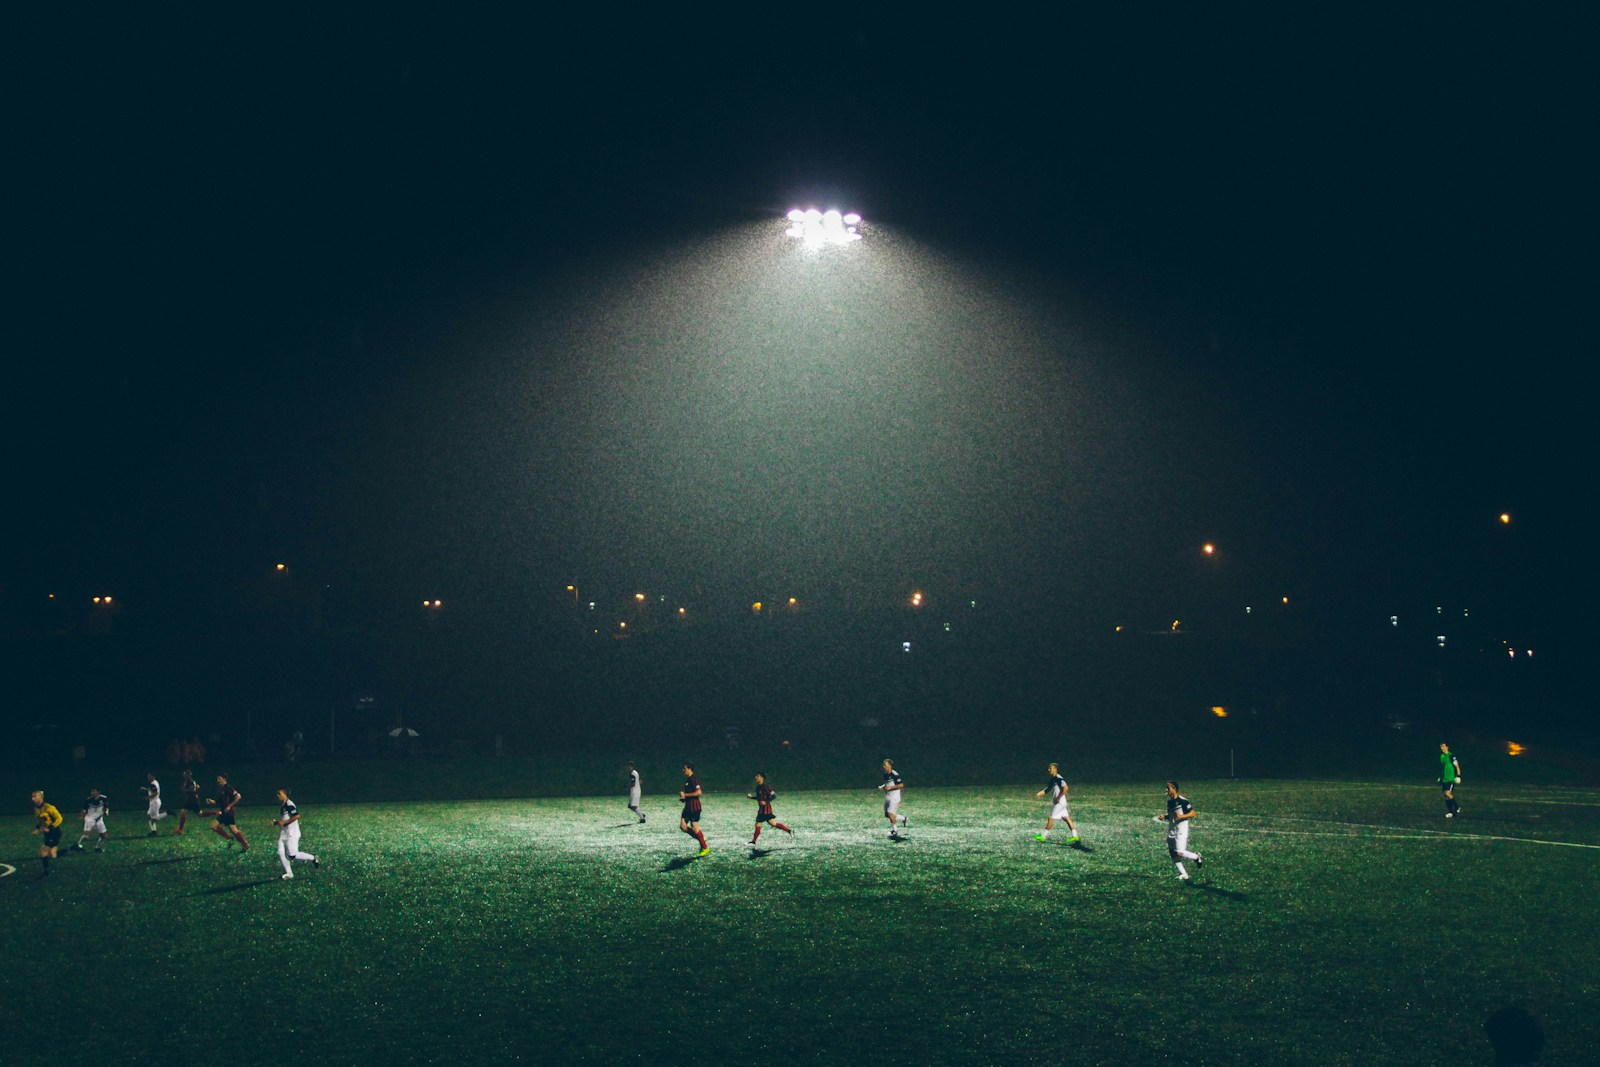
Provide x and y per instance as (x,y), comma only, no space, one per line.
(1440,639)
(916,599)
(905,646)
(756,607)
(1248,609)
(1394,620)
(1505,520)
(1219,711)
(639,597)
(1285,600)
(946,627)
(281,567)
(1209,549)
(1514,749)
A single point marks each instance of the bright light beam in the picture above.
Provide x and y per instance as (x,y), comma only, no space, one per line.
(816,229)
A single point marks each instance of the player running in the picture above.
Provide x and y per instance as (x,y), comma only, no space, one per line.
(1179,814)
(892,787)
(635,790)
(226,824)
(1449,777)
(48,823)
(764,796)
(1056,787)
(288,823)
(95,809)
(689,820)
(152,790)
(191,800)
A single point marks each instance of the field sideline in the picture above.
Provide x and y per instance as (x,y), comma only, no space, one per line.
(1333,923)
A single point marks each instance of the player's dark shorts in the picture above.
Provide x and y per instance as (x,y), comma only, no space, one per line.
(225,818)
(765,816)
(691,813)
(191,804)
(1447,786)
(52,837)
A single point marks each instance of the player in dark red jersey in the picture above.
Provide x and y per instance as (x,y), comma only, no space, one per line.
(764,796)
(191,800)
(689,821)
(225,825)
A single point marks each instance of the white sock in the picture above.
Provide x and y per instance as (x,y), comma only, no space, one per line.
(1181,872)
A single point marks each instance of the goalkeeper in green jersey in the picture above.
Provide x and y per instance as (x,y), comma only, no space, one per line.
(1449,777)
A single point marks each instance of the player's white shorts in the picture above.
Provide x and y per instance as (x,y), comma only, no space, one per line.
(289,838)
(891,802)
(1061,810)
(94,824)
(1178,836)
(633,798)
(155,807)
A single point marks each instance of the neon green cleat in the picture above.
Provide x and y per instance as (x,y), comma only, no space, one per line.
(1040,837)
(703,852)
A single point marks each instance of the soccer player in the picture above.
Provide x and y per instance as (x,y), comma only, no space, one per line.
(191,800)
(1449,777)
(288,823)
(1179,814)
(893,785)
(635,791)
(1056,786)
(48,823)
(95,810)
(226,824)
(152,790)
(689,821)
(764,796)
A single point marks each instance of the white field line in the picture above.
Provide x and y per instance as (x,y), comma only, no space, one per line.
(8,869)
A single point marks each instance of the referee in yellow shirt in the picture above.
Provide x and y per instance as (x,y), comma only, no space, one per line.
(49,824)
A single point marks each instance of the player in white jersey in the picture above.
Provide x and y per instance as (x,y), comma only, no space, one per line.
(95,809)
(152,790)
(1056,787)
(893,786)
(635,791)
(288,824)
(1179,814)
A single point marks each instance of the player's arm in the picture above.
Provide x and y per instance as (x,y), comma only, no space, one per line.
(1457,764)
(234,803)
(1183,815)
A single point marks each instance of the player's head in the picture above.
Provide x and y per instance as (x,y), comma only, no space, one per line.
(37,796)
(1516,1034)
(628,766)
(93,791)
(1444,746)
(688,768)
(888,765)
(761,776)
(1055,769)
(1172,788)
(149,776)
(222,779)
(188,776)
(283,796)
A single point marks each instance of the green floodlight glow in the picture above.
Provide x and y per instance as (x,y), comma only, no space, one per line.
(816,229)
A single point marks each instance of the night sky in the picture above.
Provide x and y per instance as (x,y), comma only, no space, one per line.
(433,306)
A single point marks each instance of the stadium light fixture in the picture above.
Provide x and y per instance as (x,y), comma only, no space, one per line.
(819,229)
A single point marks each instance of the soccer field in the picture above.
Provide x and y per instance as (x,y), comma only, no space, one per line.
(1333,923)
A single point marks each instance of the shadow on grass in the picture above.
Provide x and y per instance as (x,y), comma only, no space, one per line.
(757,853)
(678,864)
(170,859)
(220,889)
(623,825)
(1217,890)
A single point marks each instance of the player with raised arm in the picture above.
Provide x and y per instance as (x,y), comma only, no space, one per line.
(1179,814)
(226,823)
(191,800)
(47,821)
(1449,777)
(764,796)
(95,809)
(152,792)
(689,820)
(892,787)
(288,824)
(635,790)
(1056,787)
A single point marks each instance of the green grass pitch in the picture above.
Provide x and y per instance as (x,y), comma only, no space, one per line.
(1333,923)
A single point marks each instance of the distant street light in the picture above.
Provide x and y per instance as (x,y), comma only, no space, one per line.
(815,229)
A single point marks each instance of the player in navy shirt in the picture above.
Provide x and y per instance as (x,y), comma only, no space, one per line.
(893,785)
(1179,814)
(689,820)
(95,809)
(288,823)
(226,825)
(764,796)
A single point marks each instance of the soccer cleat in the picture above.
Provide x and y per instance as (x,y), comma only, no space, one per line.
(99,848)
(76,848)
(1183,877)
(1040,837)
(1449,814)
(314,862)
(641,820)
(905,820)
(1199,864)
(1074,839)
(703,852)
(287,875)
(152,833)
